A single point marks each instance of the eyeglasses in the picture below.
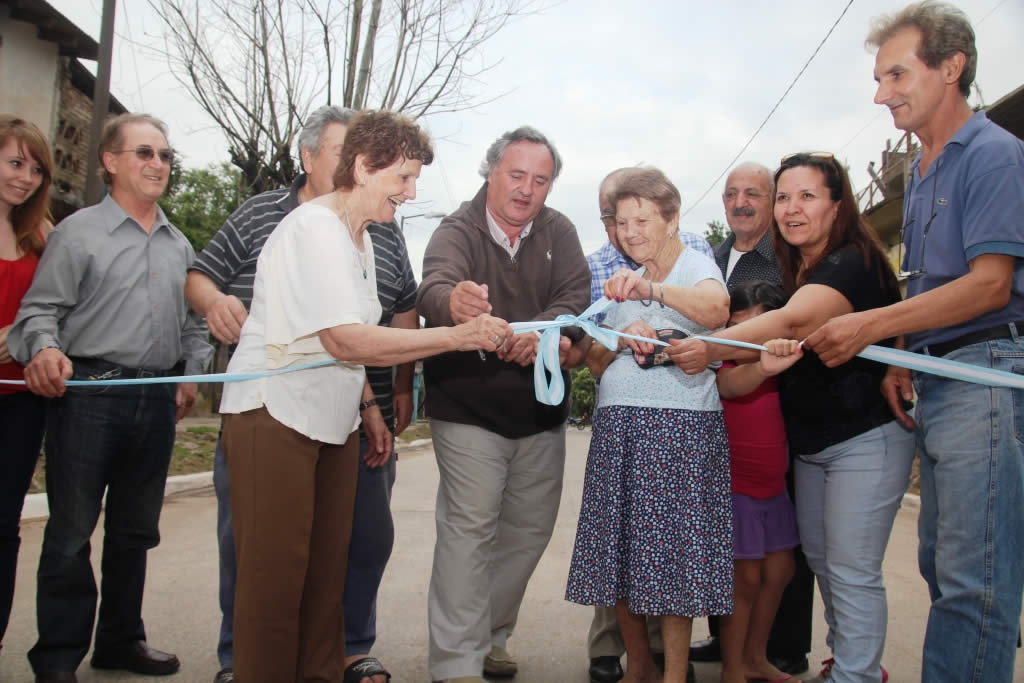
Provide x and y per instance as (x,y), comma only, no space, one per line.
(145,153)
(916,272)
(608,219)
(825,156)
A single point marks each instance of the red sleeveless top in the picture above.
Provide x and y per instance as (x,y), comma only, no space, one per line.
(15,278)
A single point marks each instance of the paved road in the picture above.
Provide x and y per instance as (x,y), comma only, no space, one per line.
(182,614)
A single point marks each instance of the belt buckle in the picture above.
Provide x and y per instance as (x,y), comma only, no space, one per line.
(143,374)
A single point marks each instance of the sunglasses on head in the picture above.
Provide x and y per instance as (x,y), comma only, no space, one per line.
(824,156)
(146,153)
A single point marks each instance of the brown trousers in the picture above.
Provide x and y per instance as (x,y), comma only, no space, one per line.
(291,504)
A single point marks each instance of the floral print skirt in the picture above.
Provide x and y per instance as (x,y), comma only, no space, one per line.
(655,526)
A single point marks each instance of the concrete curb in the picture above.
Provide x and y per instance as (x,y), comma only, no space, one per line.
(36,506)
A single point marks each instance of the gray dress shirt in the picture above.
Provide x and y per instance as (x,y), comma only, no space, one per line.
(107,289)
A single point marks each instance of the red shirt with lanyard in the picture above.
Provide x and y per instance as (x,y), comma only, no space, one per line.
(15,278)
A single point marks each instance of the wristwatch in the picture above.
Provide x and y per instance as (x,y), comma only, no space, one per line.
(366,404)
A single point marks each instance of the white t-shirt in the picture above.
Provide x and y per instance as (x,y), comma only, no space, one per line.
(309,277)
(624,383)
(734,257)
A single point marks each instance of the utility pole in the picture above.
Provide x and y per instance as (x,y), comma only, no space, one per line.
(100,104)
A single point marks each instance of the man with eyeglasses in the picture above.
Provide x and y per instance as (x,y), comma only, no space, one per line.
(604,643)
(107,302)
(746,255)
(965,242)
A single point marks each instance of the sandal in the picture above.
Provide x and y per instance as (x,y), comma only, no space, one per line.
(364,668)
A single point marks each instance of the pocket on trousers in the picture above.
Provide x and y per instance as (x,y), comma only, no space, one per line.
(1018,406)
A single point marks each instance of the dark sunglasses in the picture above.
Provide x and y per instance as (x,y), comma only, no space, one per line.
(145,153)
(824,156)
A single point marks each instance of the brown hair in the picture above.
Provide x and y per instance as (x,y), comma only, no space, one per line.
(112,138)
(382,137)
(849,228)
(28,217)
(650,184)
(945,30)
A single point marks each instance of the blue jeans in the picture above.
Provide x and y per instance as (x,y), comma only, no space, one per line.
(846,501)
(373,535)
(117,440)
(971,526)
(22,418)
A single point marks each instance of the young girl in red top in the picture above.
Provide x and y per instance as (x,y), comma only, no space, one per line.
(25,174)
(764,526)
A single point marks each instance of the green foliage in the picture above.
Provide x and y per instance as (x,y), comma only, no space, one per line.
(199,200)
(584,394)
(716,233)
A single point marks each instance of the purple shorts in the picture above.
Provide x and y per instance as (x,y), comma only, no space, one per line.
(762,525)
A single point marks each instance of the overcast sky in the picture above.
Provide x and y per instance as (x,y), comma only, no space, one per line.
(679,85)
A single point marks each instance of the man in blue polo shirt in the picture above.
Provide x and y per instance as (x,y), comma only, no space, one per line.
(964,231)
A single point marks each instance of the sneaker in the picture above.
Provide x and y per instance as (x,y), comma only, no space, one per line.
(499,663)
(224,676)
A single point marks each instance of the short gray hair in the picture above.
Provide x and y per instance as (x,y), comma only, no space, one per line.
(521,134)
(945,30)
(311,134)
(753,167)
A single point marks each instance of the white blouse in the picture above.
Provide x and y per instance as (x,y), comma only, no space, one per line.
(309,277)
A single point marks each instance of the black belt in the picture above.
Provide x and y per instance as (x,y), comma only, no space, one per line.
(97,368)
(1002,331)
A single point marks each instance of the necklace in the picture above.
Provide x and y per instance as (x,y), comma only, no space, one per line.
(360,253)
(362,261)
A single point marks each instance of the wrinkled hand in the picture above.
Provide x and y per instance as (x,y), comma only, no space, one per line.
(46,372)
(378,435)
(780,356)
(840,339)
(897,387)
(521,348)
(690,355)
(225,318)
(628,284)
(484,332)
(468,300)
(402,401)
(640,349)
(5,354)
(184,399)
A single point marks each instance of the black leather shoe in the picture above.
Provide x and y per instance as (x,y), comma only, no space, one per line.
(789,665)
(605,670)
(706,651)
(138,658)
(659,661)
(56,677)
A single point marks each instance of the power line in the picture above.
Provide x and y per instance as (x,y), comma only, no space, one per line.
(751,140)
(135,61)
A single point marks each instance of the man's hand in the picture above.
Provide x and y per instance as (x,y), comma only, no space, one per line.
(689,355)
(898,387)
(842,338)
(5,355)
(46,372)
(184,399)
(402,401)
(468,300)
(378,435)
(521,348)
(225,317)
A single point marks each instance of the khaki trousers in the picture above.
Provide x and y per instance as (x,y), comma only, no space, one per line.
(496,507)
(291,507)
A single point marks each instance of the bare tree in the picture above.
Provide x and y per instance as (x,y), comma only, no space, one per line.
(257,67)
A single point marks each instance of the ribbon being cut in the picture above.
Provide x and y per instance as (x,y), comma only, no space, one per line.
(549,386)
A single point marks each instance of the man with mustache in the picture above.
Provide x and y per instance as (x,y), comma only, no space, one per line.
(499,451)
(747,255)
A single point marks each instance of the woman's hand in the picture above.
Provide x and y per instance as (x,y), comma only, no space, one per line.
(640,349)
(628,284)
(484,332)
(780,356)
(689,355)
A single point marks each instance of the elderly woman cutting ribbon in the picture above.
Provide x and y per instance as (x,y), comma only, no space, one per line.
(290,439)
(655,529)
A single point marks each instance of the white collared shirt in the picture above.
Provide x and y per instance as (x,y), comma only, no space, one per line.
(501,238)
